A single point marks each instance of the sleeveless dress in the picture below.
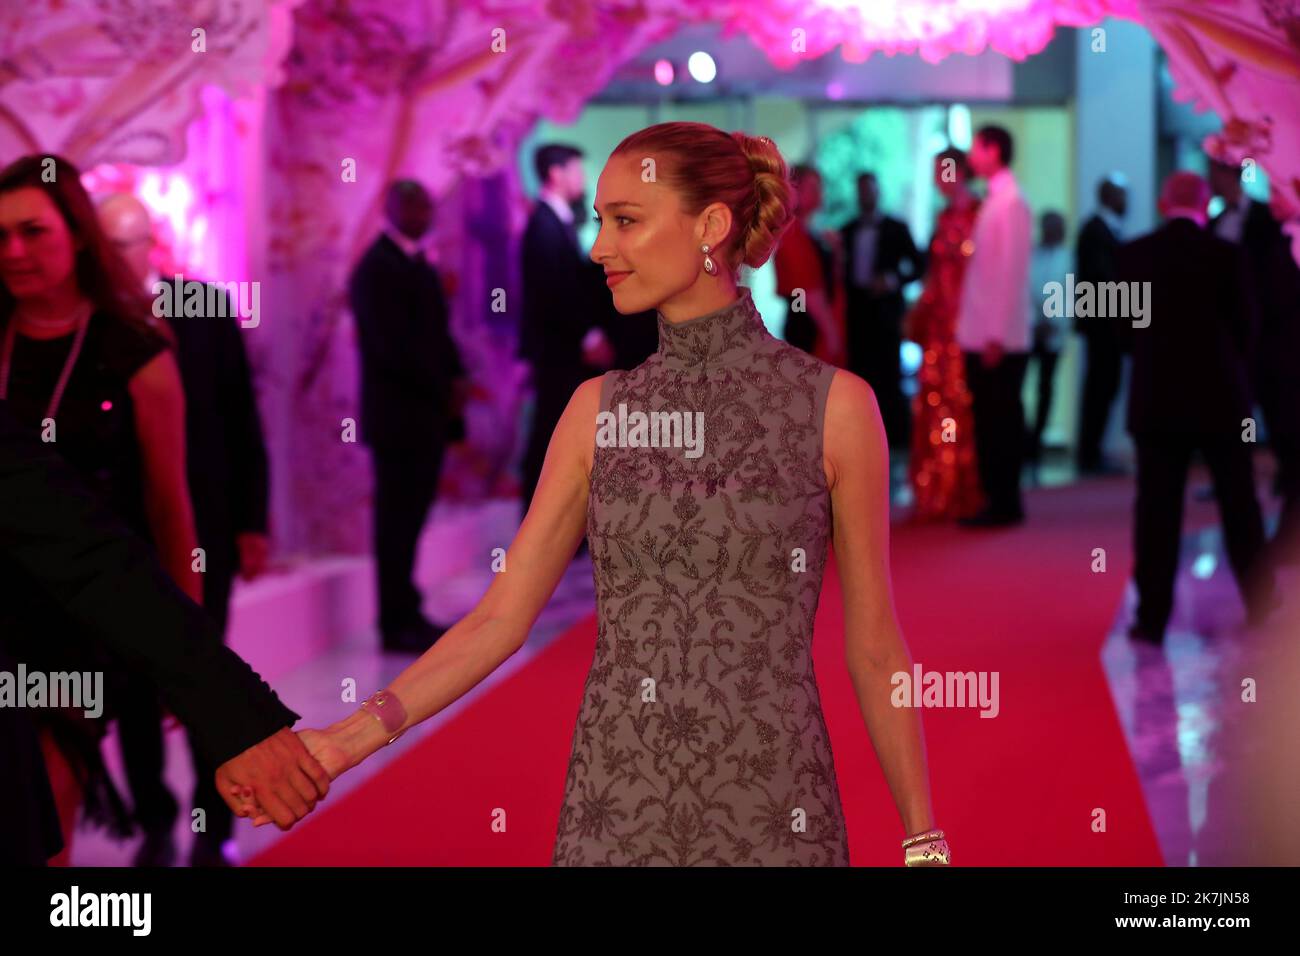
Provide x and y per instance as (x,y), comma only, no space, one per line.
(700,740)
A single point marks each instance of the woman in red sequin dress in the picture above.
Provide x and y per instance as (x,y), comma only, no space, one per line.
(942,468)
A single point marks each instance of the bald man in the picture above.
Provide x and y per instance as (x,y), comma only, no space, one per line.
(412,394)
(227,464)
(1190,392)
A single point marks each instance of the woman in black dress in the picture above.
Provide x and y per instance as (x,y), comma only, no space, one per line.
(83,366)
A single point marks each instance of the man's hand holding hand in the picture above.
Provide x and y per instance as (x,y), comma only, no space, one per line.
(279,775)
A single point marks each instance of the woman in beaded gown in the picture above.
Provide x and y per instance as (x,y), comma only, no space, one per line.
(700,738)
(945,481)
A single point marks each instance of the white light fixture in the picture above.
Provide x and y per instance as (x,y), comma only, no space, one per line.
(701,67)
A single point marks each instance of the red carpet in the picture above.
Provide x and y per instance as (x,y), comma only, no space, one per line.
(1018,789)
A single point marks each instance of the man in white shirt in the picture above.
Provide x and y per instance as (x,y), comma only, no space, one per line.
(993,327)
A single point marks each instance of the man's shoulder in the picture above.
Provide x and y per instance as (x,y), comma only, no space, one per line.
(381,249)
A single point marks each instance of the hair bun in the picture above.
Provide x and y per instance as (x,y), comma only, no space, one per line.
(772,211)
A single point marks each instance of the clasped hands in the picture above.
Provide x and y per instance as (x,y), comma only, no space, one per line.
(281,779)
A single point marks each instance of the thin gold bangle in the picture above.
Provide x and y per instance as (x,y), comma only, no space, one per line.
(924,836)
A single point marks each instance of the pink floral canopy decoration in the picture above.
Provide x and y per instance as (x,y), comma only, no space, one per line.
(930,28)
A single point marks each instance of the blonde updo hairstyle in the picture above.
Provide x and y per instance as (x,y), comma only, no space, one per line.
(704,165)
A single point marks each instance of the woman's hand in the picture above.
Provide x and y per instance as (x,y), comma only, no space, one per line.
(328,752)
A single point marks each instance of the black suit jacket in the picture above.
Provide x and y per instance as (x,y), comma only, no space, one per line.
(1275,278)
(896,253)
(558,303)
(1095,252)
(57,535)
(1190,364)
(224,448)
(409,359)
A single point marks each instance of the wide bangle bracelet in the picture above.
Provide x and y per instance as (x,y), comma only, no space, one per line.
(925,836)
(384,706)
(930,853)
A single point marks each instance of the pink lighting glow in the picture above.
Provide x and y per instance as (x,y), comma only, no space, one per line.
(932,29)
(664,72)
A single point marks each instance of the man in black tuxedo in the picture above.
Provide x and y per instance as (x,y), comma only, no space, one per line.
(1095,252)
(559,334)
(413,389)
(879,259)
(1190,391)
(57,536)
(1275,280)
(226,463)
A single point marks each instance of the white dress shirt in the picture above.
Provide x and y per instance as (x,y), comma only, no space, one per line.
(864,250)
(1112,221)
(405,243)
(562,208)
(994,293)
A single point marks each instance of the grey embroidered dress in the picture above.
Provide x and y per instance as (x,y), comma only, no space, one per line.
(700,739)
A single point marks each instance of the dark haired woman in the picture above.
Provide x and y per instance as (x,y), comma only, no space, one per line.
(81,365)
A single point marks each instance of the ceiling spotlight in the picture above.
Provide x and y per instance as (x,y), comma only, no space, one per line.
(702,67)
(664,72)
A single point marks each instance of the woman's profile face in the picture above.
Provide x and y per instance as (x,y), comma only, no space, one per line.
(646,242)
(37,252)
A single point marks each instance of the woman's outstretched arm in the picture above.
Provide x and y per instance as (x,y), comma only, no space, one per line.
(499,624)
(857,456)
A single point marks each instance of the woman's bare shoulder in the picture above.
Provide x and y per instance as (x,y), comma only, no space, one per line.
(850,399)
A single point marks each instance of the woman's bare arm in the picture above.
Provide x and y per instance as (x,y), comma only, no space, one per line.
(499,624)
(857,458)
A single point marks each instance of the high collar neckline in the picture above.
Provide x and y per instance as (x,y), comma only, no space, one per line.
(724,336)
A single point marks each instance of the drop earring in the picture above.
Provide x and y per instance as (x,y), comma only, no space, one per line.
(710,266)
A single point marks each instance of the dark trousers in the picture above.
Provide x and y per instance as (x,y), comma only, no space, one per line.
(1046,361)
(140,733)
(875,336)
(999,428)
(1162,464)
(1100,386)
(406,484)
(220,821)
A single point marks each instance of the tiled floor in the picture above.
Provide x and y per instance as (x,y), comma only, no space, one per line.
(1181,707)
